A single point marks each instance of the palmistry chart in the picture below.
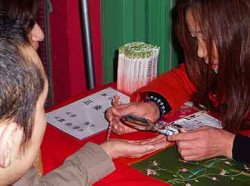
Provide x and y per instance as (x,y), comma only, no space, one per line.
(85,117)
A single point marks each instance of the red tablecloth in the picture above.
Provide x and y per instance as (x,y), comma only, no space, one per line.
(57,146)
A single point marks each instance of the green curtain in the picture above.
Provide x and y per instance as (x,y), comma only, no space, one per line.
(125,21)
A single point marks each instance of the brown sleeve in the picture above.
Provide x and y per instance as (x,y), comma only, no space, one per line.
(86,166)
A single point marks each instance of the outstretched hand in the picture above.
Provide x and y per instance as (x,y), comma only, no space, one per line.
(203,143)
(146,109)
(116,148)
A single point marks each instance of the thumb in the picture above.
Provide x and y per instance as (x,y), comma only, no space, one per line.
(122,111)
(117,112)
(183,130)
(146,148)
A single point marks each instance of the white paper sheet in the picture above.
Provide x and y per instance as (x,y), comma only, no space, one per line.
(86,116)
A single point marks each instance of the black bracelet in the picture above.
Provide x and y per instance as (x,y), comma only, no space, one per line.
(160,101)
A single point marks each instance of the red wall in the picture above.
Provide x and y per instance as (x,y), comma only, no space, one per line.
(67,50)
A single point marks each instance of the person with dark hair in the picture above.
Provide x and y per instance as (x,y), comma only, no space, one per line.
(215,36)
(26,12)
(23,91)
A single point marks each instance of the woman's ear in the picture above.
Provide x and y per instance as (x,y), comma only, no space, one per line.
(6,131)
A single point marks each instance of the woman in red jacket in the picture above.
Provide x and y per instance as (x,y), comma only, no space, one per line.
(215,35)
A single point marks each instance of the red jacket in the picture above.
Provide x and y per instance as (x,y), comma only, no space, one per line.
(174,86)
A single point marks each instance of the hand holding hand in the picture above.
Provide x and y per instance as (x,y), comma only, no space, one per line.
(148,110)
(204,143)
(116,148)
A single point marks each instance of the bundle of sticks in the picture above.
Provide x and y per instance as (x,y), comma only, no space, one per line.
(137,66)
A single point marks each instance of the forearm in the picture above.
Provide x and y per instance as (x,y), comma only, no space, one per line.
(85,167)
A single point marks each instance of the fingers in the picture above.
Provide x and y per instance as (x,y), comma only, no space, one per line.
(114,113)
(192,142)
(113,116)
(119,128)
(135,148)
(108,114)
(141,150)
(194,155)
(124,105)
(161,145)
(192,135)
(153,140)
(138,108)
(199,144)
(149,148)
(115,101)
(183,130)
(122,109)
(158,143)
(116,110)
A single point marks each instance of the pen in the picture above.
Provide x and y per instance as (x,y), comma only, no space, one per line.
(114,103)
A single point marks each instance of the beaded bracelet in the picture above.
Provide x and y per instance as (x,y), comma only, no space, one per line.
(160,101)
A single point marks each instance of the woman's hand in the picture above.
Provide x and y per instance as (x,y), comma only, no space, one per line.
(116,148)
(148,110)
(204,143)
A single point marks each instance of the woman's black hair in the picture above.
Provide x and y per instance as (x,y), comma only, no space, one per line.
(23,10)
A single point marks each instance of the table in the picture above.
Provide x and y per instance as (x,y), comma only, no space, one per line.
(57,146)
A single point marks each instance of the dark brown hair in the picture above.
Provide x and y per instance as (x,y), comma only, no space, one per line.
(22,10)
(227,24)
(21,76)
